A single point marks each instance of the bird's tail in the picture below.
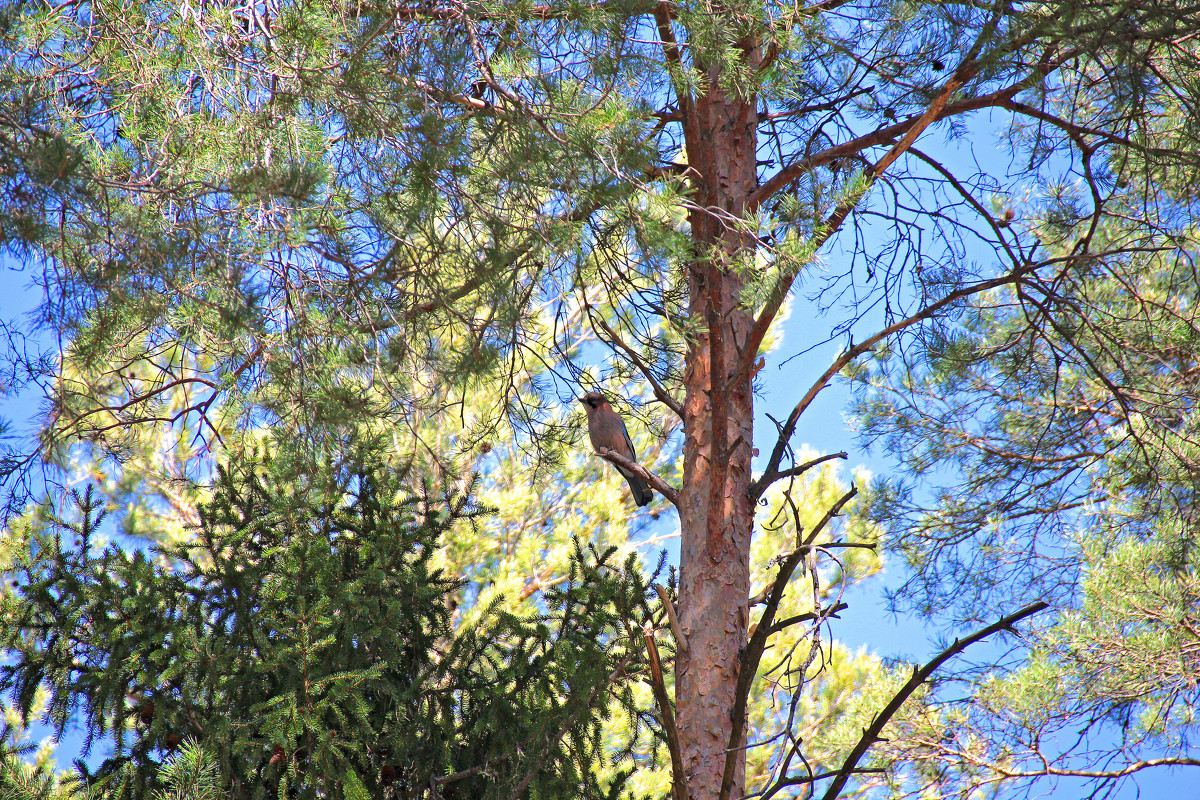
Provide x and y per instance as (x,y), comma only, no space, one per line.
(642,494)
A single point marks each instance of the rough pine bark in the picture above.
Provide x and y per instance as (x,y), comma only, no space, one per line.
(716,513)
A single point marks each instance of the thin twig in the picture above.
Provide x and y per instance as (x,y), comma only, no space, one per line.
(659,391)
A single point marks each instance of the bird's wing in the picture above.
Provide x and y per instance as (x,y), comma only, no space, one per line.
(628,441)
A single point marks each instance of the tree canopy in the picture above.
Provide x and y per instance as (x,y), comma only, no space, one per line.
(293,228)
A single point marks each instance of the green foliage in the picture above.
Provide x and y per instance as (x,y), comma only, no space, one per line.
(304,641)
(190,774)
(1048,445)
(21,780)
(305,224)
(1041,419)
(1116,672)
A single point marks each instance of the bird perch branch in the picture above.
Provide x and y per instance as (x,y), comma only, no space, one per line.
(656,483)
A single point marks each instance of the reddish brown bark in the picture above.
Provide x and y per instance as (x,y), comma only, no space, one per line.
(716,512)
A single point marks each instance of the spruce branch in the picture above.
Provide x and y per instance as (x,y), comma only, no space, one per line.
(571,720)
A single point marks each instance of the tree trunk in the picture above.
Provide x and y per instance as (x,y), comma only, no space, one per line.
(716,514)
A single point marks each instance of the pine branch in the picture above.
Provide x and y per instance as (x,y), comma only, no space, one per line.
(919,676)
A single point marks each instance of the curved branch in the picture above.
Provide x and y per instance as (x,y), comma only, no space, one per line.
(873,731)
(766,479)
(771,473)
(908,131)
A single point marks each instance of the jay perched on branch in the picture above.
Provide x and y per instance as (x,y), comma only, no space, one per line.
(607,431)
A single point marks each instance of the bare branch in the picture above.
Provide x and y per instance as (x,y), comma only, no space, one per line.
(937,108)
(820,776)
(752,654)
(767,479)
(849,355)
(830,612)
(873,731)
(882,136)
(672,619)
(679,788)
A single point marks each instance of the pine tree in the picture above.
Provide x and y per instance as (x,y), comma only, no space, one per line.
(313,217)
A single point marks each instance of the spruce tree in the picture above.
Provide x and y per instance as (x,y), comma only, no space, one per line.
(302,646)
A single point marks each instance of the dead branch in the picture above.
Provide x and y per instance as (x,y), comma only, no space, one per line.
(672,620)
(679,788)
(752,655)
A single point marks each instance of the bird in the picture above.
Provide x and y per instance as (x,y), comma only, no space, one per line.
(607,431)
